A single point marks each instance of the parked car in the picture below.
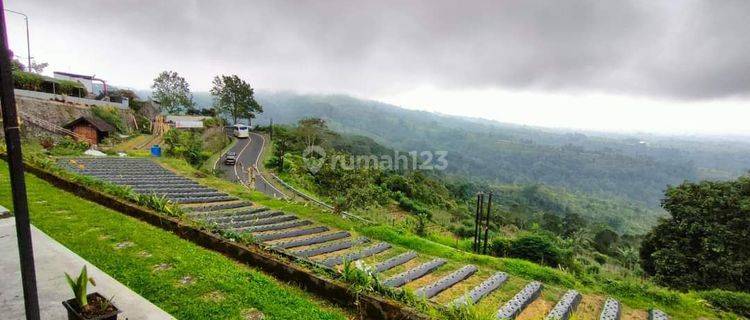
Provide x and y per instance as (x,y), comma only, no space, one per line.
(231,158)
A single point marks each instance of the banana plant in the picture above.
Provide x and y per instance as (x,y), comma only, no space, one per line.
(79,286)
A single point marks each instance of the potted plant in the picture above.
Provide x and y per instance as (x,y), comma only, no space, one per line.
(84,306)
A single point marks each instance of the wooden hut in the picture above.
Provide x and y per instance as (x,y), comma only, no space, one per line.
(92,129)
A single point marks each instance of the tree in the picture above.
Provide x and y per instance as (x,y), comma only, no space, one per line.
(234,96)
(172,91)
(552,223)
(38,67)
(572,223)
(16,65)
(705,243)
(606,240)
(312,131)
(628,256)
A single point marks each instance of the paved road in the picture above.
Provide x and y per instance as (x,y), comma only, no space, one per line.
(248,157)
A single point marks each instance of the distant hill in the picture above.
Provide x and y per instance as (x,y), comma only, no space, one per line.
(619,165)
(632,167)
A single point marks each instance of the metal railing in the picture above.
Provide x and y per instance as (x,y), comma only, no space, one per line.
(49,126)
(318,202)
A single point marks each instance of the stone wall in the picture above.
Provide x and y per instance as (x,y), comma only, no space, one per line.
(58,113)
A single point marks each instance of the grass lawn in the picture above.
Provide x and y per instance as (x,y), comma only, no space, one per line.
(185,280)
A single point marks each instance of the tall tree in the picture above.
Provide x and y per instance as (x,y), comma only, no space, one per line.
(173,92)
(235,97)
(705,243)
(312,131)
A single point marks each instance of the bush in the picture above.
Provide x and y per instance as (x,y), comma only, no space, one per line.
(213,122)
(737,302)
(500,247)
(185,144)
(69,147)
(538,249)
(47,142)
(600,258)
(412,206)
(27,81)
(110,115)
(70,88)
(144,124)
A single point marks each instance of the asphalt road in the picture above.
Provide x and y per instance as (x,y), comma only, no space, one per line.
(248,157)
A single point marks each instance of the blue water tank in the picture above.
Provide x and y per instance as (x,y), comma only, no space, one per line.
(156,151)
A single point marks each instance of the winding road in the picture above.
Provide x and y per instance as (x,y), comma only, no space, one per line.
(249,152)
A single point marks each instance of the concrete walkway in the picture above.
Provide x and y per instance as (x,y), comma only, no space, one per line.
(51,260)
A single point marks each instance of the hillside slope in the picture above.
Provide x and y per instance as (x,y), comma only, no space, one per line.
(623,166)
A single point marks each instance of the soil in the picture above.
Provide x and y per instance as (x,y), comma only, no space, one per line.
(94,308)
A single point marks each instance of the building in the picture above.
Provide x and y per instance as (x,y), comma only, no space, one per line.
(186,122)
(86,81)
(91,129)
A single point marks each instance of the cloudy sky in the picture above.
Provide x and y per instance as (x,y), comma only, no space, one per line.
(659,66)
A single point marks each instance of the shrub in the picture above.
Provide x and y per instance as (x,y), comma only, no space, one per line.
(111,116)
(47,142)
(144,124)
(500,247)
(69,147)
(185,144)
(412,206)
(70,88)
(213,122)
(737,302)
(27,81)
(536,248)
(600,258)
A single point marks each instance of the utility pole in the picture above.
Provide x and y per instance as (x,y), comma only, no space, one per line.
(270,130)
(18,183)
(28,44)
(476,223)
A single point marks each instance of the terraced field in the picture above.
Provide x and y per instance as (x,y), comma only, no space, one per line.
(441,281)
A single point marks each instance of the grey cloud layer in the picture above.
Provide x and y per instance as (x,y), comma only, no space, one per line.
(677,49)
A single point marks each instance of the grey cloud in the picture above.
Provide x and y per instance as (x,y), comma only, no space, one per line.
(676,49)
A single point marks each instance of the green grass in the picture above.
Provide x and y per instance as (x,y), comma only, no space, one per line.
(634,293)
(217,287)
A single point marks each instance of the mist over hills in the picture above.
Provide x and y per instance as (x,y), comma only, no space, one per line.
(633,167)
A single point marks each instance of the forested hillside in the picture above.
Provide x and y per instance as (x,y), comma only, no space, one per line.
(628,167)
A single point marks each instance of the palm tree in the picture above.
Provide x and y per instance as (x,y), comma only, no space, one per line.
(628,256)
(579,241)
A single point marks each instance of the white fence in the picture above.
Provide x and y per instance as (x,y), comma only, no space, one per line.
(64,98)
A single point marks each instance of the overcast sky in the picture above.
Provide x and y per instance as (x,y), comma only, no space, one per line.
(658,66)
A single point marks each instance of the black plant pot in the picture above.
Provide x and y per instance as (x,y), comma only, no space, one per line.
(74,310)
